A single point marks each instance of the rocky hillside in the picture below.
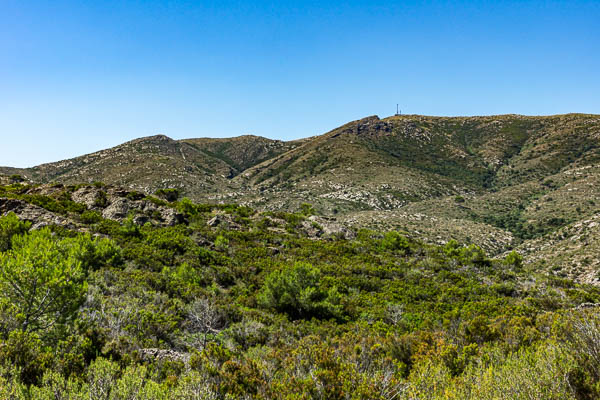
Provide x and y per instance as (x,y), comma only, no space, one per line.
(385,164)
(72,207)
(502,182)
(198,166)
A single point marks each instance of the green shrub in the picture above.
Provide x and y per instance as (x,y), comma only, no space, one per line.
(168,194)
(191,209)
(43,279)
(25,352)
(295,291)
(16,178)
(307,209)
(11,225)
(395,241)
(221,242)
(514,259)
(101,200)
(90,217)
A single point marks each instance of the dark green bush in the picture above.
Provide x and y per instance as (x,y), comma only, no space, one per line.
(295,290)
(11,225)
(169,195)
(90,217)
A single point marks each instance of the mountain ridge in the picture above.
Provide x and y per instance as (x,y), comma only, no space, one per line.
(505,181)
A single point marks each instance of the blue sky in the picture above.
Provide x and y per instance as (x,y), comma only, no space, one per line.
(80,76)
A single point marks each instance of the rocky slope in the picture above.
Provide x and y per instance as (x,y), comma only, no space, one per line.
(45,205)
(500,181)
(199,166)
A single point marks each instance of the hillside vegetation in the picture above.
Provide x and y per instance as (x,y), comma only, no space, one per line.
(113,294)
(147,164)
(502,182)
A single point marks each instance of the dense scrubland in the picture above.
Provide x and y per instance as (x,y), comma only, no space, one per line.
(232,303)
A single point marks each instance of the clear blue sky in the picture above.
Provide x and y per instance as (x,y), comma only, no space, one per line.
(80,76)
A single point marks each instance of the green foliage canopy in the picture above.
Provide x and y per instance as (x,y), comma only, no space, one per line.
(42,279)
(11,225)
(295,290)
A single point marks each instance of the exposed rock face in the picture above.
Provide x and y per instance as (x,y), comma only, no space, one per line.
(153,354)
(88,195)
(223,220)
(369,126)
(113,203)
(38,216)
(170,216)
(117,210)
(116,204)
(316,227)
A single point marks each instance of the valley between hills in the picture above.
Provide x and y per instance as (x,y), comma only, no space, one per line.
(502,182)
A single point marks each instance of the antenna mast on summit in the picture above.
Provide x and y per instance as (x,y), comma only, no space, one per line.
(397,110)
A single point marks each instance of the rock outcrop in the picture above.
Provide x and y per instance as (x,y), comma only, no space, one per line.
(38,216)
(322,227)
(112,203)
(153,354)
(116,204)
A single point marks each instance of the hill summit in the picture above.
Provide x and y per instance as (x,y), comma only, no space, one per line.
(503,182)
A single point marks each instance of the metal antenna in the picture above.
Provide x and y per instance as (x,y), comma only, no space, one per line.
(397,110)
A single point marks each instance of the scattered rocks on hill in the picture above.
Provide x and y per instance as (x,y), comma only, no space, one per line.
(38,216)
(117,209)
(570,251)
(47,190)
(153,354)
(223,220)
(587,305)
(117,204)
(319,227)
(90,196)
(114,204)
